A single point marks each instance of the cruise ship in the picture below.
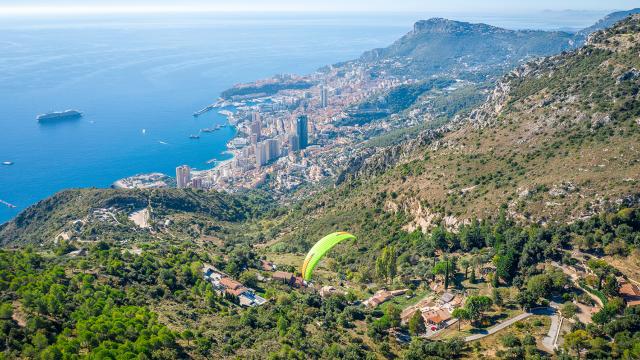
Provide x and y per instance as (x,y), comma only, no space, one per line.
(59,115)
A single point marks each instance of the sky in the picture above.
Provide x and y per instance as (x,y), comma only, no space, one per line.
(28,7)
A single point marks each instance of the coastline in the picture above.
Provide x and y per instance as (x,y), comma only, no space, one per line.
(161,94)
(162,180)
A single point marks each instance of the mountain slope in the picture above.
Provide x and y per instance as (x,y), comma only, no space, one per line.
(568,118)
(90,214)
(606,22)
(557,141)
(440,46)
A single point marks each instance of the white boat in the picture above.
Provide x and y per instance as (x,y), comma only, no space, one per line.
(59,115)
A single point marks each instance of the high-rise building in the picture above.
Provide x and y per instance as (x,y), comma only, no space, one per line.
(273,149)
(294,143)
(261,153)
(324,96)
(196,183)
(183,176)
(280,125)
(256,126)
(302,130)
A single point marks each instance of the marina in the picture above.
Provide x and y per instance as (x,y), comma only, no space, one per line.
(203,110)
(219,103)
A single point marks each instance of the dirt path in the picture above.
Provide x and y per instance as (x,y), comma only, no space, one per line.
(18,314)
(141,218)
(576,282)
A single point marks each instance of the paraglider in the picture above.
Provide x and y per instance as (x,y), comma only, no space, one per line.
(318,251)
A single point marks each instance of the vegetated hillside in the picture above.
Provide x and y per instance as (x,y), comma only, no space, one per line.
(556,137)
(441,46)
(89,214)
(264,90)
(557,141)
(148,299)
(606,22)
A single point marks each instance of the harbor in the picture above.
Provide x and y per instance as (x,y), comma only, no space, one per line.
(220,103)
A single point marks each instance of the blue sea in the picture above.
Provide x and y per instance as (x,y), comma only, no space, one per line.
(129,73)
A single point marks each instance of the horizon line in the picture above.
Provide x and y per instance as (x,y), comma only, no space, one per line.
(132,9)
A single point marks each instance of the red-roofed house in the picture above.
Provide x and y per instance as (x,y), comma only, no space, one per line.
(266,265)
(229,283)
(437,318)
(630,293)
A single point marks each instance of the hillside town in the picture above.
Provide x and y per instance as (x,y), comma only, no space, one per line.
(292,130)
(303,132)
(294,136)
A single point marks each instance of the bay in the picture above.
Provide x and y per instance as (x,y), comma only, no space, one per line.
(138,79)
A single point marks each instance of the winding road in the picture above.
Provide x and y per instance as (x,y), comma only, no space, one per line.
(549,341)
(494,329)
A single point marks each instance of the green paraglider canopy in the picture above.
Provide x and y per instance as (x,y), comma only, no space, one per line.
(318,251)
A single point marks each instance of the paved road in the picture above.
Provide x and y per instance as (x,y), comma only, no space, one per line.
(496,328)
(549,341)
(548,311)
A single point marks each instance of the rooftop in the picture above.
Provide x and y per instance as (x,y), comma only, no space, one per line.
(230,283)
(628,289)
(437,316)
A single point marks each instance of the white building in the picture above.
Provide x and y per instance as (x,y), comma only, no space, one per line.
(261,153)
(324,96)
(273,149)
(197,183)
(183,176)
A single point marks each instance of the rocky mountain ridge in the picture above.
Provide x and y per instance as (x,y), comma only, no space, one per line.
(606,22)
(543,106)
(441,46)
